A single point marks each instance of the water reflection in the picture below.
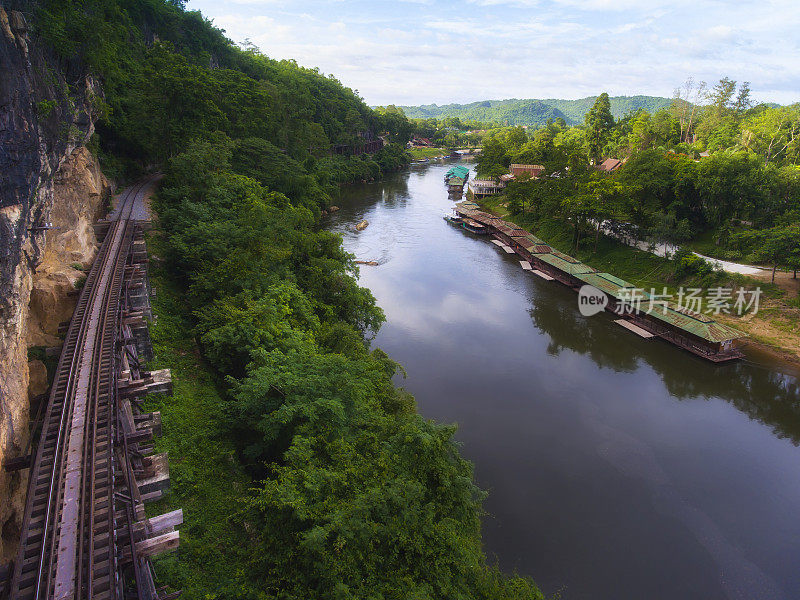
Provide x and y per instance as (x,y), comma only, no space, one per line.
(568,330)
(763,394)
(618,468)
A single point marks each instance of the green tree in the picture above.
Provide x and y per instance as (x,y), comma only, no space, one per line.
(360,496)
(520,191)
(493,160)
(774,134)
(778,245)
(599,122)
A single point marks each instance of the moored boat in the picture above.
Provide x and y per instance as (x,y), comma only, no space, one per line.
(455,185)
(473,226)
(459,171)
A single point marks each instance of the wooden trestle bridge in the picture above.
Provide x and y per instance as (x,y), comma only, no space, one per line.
(85,534)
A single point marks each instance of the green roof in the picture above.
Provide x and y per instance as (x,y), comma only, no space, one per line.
(701,327)
(458,171)
(535,239)
(565,257)
(605,282)
(573,268)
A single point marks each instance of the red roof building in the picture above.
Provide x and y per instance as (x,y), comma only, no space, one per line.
(421,141)
(609,165)
(534,170)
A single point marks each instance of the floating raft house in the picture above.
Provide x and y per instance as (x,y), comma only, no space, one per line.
(695,332)
(459,171)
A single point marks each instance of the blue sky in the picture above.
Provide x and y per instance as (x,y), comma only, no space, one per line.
(423,51)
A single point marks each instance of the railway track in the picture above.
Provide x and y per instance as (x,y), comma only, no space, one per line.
(85,535)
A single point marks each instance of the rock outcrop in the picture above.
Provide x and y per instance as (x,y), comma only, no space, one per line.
(44,119)
(79,194)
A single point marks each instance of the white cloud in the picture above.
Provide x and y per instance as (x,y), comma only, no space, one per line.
(420,52)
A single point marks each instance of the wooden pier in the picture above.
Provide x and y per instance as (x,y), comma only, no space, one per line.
(542,275)
(634,328)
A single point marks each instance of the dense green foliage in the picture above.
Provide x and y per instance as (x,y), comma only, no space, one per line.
(449,132)
(170,77)
(355,495)
(534,113)
(599,123)
(744,194)
(337,487)
(506,112)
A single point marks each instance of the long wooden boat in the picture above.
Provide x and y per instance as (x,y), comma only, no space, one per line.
(474,226)
(697,333)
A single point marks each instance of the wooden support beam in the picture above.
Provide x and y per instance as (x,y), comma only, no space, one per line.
(152,496)
(157,478)
(132,314)
(161,524)
(166,542)
(17,464)
(157,382)
(148,528)
(140,435)
(150,421)
(128,422)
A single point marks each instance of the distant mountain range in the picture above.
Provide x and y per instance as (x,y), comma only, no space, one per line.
(534,113)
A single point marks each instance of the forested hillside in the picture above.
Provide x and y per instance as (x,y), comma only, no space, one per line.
(169,77)
(723,176)
(534,113)
(303,471)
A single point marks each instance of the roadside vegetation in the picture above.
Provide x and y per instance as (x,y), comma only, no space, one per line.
(303,471)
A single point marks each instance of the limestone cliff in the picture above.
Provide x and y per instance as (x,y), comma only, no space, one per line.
(46,175)
(79,192)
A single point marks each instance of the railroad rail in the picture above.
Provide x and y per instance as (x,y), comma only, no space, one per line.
(85,534)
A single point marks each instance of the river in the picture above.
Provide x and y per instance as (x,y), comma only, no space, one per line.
(617,467)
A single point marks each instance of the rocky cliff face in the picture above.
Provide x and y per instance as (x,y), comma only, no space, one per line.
(79,192)
(46,175)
